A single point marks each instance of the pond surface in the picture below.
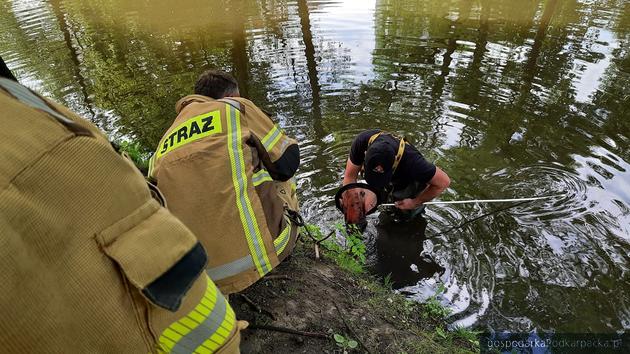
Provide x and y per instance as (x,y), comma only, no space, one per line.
(511,98)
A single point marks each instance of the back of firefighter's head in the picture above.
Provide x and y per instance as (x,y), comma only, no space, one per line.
(216,84)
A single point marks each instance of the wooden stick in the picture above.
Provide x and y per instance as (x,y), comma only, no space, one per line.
(323,277)
(277,276)
(256,307)
(350,328)
(288,330)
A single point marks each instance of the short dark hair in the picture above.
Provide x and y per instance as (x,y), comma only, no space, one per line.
(216,84)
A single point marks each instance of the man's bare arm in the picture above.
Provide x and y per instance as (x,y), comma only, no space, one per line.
(351,174)
(437,185)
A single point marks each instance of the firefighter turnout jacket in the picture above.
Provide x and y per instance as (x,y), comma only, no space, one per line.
(226,171)
(90,262)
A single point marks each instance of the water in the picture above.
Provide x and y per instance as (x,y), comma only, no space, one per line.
(511,98)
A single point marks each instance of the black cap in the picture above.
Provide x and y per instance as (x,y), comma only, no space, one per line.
(379,162)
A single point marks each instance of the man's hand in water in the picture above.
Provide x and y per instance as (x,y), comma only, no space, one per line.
(407,204)
(436,186)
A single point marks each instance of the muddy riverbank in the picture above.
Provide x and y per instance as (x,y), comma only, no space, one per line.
(329,305)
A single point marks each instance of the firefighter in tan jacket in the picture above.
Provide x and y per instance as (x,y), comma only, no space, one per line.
(90,262)
(226,171)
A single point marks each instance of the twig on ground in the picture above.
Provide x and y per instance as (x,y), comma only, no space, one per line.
(315,239)
(326,238)
(256,307)
(350,328)
(277,277)
(318,242)
(288,330)
(325,278)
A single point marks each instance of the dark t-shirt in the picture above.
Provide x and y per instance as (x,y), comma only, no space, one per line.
(412,167)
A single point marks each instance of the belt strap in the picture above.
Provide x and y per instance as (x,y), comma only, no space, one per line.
(29,98)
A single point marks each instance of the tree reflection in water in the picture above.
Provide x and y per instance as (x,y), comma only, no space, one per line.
(512,98)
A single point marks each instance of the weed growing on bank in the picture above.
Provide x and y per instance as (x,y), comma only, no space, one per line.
(433,308)
(138,155)
(349,253)
(345,343)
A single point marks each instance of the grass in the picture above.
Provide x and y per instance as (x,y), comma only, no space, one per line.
(433,307)
(466,334)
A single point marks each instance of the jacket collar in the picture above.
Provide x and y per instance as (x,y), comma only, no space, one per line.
(191,99)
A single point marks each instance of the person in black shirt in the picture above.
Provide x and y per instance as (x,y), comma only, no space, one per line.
(396,168)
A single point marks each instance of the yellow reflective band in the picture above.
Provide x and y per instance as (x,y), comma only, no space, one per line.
(260,177)
(151,166)
(272,137)
(273,142)
(293,184)
(191,130)
(239,179)
(205,329)
(282,240)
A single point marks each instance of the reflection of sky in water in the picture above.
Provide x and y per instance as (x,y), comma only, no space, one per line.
(608,177)
(591,73)
(351,23)
(451,125)
(452,130)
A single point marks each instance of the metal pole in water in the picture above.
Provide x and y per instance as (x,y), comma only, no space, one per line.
(295,126)
(478,201)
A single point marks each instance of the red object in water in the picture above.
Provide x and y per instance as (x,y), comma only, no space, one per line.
(355,201)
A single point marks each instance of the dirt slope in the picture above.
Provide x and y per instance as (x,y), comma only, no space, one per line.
(318,297)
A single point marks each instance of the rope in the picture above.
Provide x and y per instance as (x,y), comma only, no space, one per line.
(298,220)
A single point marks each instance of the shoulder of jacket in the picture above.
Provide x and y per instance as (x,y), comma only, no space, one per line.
(248,104)
(190,99)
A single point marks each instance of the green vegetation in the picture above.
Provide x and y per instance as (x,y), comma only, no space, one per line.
(350,255)
(470,335)
(345,343)
(433,307)
(138,155)
(426,321)
(388,283)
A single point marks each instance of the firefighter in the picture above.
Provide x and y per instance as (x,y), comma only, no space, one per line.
(90,262)
(396,168)
(226,170)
